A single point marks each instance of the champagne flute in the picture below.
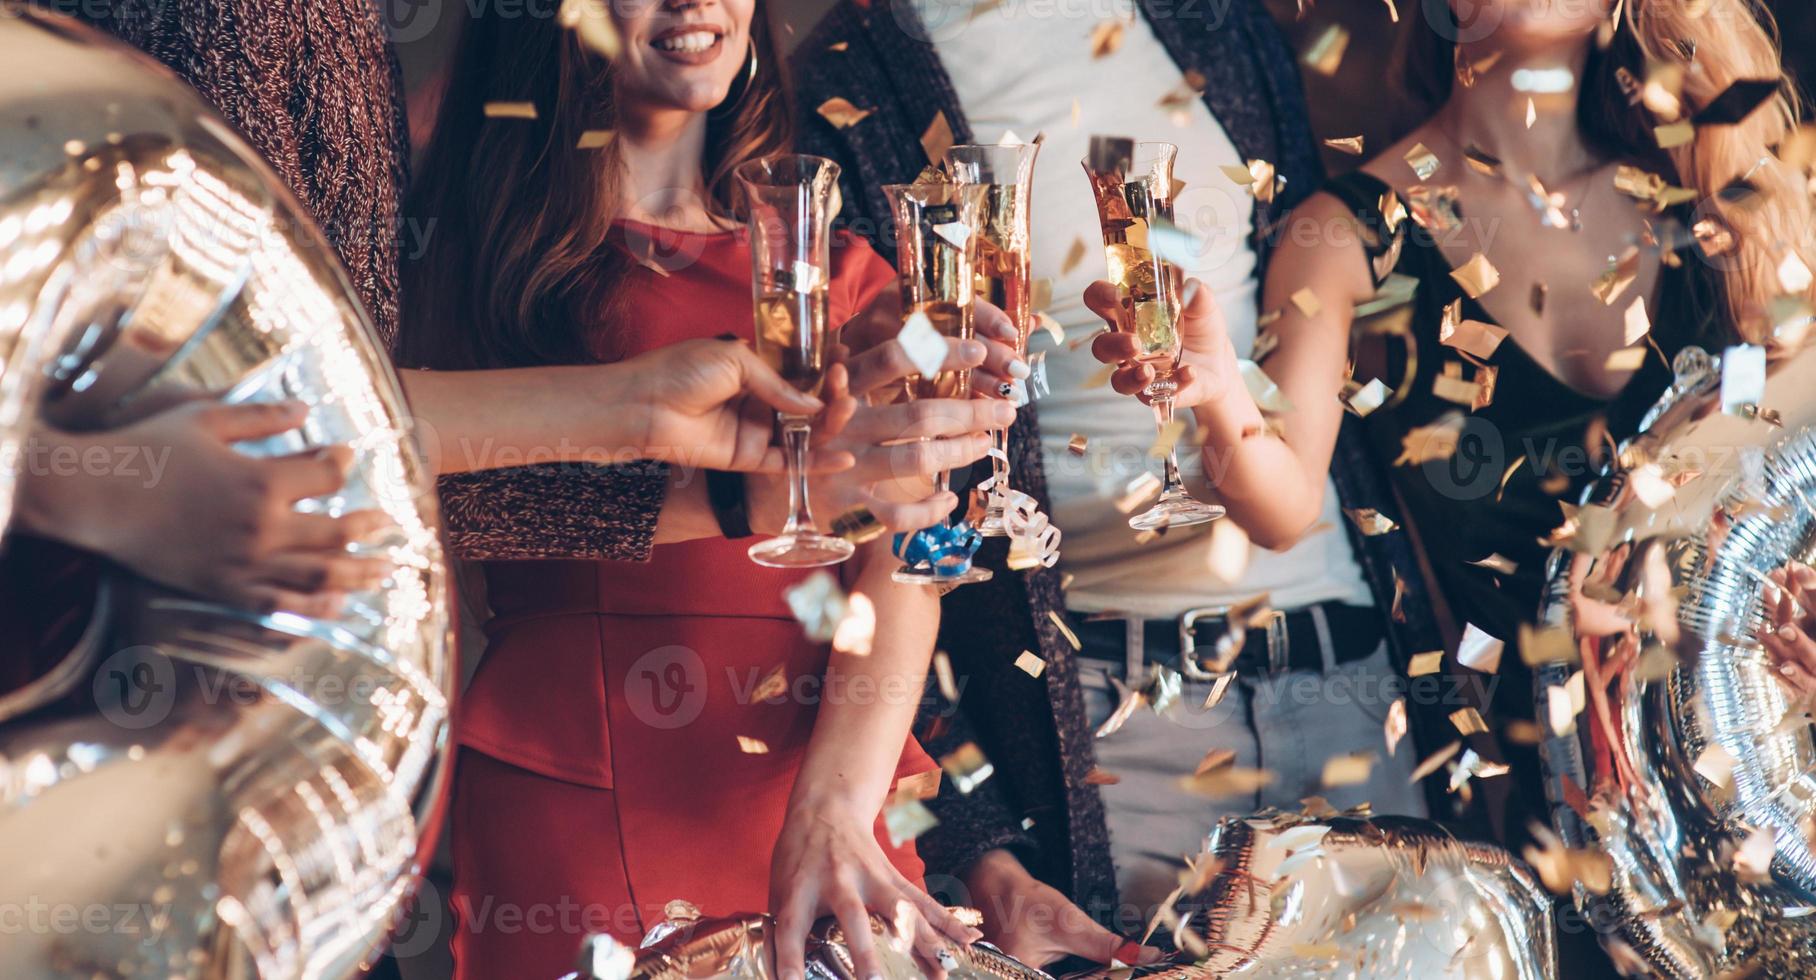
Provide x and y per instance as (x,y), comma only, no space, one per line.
(789,197)
(936,245)
(1003,270)
(1133,183)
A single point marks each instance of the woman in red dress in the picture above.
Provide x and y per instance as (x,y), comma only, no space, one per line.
(623,743)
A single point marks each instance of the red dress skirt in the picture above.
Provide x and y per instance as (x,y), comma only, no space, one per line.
(608,759)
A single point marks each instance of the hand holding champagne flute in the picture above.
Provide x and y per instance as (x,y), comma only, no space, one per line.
(789,197)
(1133,184)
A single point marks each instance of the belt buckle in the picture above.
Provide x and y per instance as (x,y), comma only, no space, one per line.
(1278,644)
(1188,641)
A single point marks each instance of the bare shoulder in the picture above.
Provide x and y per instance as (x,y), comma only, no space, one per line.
(1321,244)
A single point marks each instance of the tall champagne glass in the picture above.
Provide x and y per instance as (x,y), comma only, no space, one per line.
(1003,270)
(936,246)
(790,202)
(1133,183)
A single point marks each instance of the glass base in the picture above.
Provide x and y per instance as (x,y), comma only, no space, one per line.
(802,549)
(1177,509)
(992,525)
(909,575)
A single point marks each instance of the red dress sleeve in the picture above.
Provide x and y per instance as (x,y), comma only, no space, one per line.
(859,275)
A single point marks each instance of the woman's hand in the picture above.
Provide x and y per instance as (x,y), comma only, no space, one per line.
(1787,636)
(868,345)
(828,862)
(206,518)
(1033,922)
(1207,362)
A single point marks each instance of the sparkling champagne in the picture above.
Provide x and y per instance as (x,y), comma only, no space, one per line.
(949,320)
(1126,211)
(791,335)
(1002,278)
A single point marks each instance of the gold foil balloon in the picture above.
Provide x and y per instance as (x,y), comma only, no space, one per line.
(1689,765)
(197,790)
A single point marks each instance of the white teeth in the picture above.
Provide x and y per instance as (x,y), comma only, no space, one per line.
(692,41)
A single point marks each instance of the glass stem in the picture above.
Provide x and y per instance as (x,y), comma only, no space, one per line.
(795,435)
(999,441)
(1163,417)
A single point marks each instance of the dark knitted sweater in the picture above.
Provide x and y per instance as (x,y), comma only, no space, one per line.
(1039,803)
(314,86)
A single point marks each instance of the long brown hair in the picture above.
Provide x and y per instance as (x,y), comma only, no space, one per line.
(1717,42)
(517,264)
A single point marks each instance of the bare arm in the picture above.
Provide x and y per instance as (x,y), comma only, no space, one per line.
(1273,484)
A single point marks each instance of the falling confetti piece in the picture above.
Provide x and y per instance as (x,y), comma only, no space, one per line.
(1532,113)
(510,110)
(1325,55)
(925,348)
(858,525)
(1477,276)
(1435,761)
(1138,491)
(1429,662)
(1498,563)
(1078,444)
(1307,303)
(857,630)
(1738,101)
(591,22)
(918,786)
(1422,161)
(1348,770)
(1370,521)
(752,746)
(1794,275)
(1474,337)
(1099,777)
(818,604)
(1561,868)
(942,672)
(955,233)
(1626,359)
(841,113)
(1619,275)
(1351,145)
(1716,764)
(1219,688)
(937,138)
(595,139)
(1228,556)
(1031,663)
(1425,443)
(1227,781)
(1106,37)
(966,767)
(1743,378)
(1074,255)
(1468,721)
(1368,397)
(1753,858)
(1064,630)
(1395,727)
(1478,650)
(1674,135)
(773,685)
(838,46)
(907,819)
(1481,161)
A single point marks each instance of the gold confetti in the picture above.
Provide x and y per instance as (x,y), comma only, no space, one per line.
(1434,761)
(1307,303)
(1219,688)
(1753,858)
(752,746)
(1641,185)
(1348,770)
(841,113)
(856,631)
(773,685)
(1395,728)
(1106,37)
(1393,11)
(1474,337)
(1228,556)
(1794,275)
(1100,777)
(510,110)
(592,23)
(966,767)
(1532,112)
(1477,276)
(858,525)
(1064,630)
(907,818)
(1325,55)
(1716,764)
(1227,781)
(1479,650)
(1031,663)
(1429,662)
(919,786)
(1674,135)
(1422,161)
(1138,492)
(1166,438)
(1561,868)
(1078,444)
(1425,443)
(1074,255)
(937,139)
(1497,562)
(1366,398)
(1481,161)
(1625,359)
(1370,521)
(942,672)
(594,139)
(1468,721)
(838,46)
(1638,324)
(1612,283)
(1351,145)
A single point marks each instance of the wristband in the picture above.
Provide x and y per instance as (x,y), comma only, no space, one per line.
(725,493)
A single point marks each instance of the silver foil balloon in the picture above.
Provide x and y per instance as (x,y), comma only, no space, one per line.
(1276,895)
(201,791)
(1688,768)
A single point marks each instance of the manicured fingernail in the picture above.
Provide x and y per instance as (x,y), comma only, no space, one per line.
(1019,369)
(1005,389)
(1787,632)
(971,350)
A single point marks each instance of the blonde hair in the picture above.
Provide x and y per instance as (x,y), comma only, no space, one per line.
(1719,42)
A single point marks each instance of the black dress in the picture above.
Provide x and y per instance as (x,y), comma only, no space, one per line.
(1517,457)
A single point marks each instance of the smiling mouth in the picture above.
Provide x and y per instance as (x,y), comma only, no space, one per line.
(690,42)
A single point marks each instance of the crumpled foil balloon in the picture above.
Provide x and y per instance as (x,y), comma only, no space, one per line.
(1689,765)
(198,790)
(946,549)
(1283,896)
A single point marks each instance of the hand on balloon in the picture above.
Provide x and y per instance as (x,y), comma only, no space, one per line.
(1035,923)
(1791,616)
(1207,361)
(828,862)
(212,520)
